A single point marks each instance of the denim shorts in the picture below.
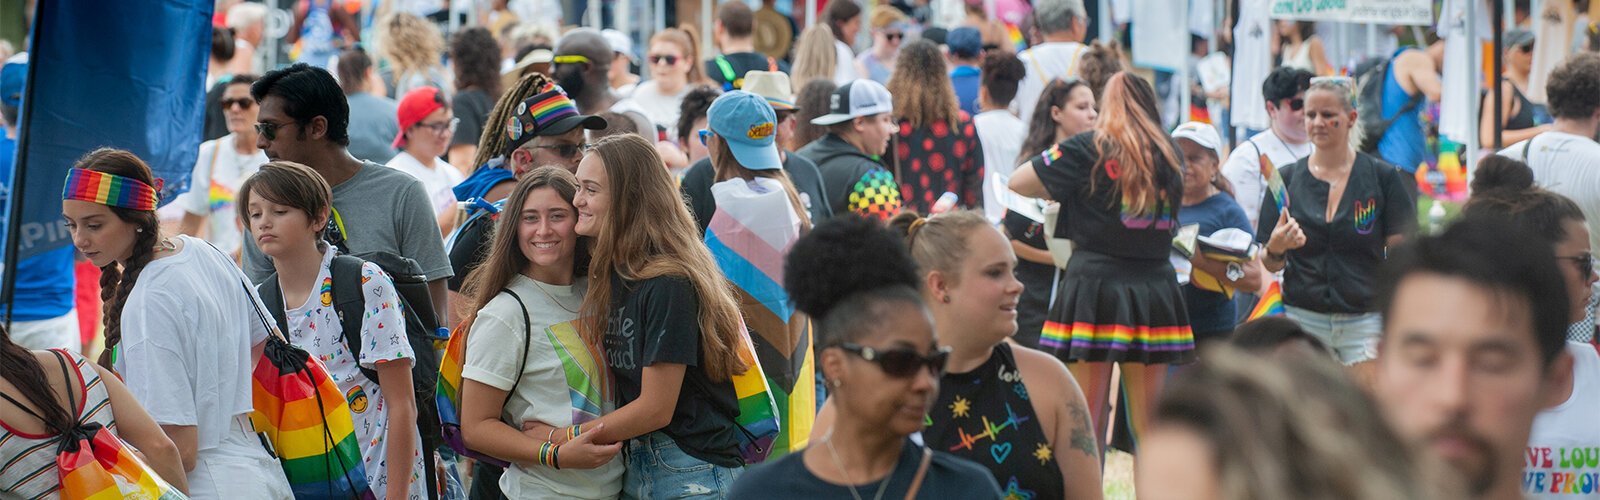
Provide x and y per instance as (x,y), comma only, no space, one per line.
(658,469)
(1353,338)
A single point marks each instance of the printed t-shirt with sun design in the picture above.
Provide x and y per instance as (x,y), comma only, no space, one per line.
(314,326)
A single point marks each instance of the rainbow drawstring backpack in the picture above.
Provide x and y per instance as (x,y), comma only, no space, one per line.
(93,463)
(305,419)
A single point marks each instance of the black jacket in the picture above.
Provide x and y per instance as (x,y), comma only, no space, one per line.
(696,187)
(853,181)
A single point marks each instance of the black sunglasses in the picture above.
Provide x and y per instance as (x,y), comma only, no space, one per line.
(1296,104)
(903,362)
(894,36)
(658,59)
(269,130)
(566,150)
(244,103)
(1585,262)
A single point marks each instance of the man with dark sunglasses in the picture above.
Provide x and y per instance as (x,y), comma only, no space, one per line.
(304,118)
(582,67)
(1283,143)
(734,34)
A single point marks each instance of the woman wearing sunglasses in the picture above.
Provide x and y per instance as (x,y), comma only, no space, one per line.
(671,62)
(1031,404)
(223,165)
(1520,118)
(1504,186)
(888,31)
(1330,226)
(667,321)
(881,361)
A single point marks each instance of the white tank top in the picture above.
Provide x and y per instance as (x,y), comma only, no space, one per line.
(1563,455)
(1299,58)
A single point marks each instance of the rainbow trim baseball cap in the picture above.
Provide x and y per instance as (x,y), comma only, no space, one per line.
(550,112)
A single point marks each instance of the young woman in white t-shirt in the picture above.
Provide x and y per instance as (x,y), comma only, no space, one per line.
(179,325)
(286,206)
(525,359)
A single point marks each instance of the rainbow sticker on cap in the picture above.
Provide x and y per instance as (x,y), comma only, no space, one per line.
(550,105)
(109,189)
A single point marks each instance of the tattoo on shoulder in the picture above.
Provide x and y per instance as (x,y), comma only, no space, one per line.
(1082,430)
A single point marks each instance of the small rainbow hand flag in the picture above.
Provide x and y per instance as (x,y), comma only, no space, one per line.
(1271,303)
(1274,182)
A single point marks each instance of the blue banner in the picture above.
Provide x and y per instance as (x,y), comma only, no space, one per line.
(121,74)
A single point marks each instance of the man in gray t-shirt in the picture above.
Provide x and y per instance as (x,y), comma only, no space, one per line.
(304,119)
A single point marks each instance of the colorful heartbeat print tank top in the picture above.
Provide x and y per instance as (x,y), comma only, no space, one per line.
(986,416)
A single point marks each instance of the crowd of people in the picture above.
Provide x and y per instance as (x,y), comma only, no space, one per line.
(959,262)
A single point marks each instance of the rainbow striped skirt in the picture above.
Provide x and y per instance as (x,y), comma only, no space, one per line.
(1115,309)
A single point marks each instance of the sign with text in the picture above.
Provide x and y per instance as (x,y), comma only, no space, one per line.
(1413,12)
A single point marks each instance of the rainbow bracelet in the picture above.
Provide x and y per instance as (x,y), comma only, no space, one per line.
(574,431)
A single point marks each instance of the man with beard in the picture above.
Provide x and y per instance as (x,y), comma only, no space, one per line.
(1473,348)
(582,67)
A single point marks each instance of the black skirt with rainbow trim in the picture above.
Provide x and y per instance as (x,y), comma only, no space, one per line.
(1116,309)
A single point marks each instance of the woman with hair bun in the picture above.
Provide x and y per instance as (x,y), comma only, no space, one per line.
(881,360)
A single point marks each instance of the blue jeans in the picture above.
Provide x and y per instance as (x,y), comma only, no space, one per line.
(658,469)
(1353,338)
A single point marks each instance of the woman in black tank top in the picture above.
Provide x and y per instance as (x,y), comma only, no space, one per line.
(1015,411)
(1521,118)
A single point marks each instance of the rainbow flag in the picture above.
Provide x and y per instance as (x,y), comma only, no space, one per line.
(103,468)
(221,197)
(1274,182)
(1271,303)
(749,234)
(306,419)
(447,395)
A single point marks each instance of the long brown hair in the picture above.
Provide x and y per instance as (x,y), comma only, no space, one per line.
(727,167)
(1129,134)
(493,141)
(685,39)
(505,259)
(1042,126)
(19,367)
(116,281)
(648,233)
(921,86)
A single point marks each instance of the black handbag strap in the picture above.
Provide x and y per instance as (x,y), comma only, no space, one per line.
(72,402)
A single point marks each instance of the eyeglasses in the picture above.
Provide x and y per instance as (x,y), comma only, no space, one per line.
(269,130)
(658,59)
(903,362)
(244,103)
(442,128)
(567,150)
(704,135)
(1585,262)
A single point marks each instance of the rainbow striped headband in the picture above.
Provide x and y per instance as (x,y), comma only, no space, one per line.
(109,189)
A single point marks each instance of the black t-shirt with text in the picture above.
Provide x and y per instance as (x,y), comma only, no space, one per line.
(657,320)
(948,476)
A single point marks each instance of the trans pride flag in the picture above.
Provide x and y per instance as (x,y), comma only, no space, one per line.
(749,234)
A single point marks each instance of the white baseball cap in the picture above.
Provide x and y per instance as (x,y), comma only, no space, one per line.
(854,99)
(619,42)
(1201,133)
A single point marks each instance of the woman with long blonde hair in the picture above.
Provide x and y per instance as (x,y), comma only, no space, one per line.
(814,57)
(411,46)
(936,146)
(667,321)
(1120,186)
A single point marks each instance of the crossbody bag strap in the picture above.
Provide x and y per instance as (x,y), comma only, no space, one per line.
(922,473)
(527,340)
(72,402)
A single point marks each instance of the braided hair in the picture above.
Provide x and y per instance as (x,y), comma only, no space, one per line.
(117,281)
(493,142)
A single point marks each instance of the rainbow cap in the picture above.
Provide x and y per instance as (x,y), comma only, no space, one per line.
(110,189)
(550,112)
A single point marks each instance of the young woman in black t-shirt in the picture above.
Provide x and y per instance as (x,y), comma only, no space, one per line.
(667,320)
(877,350)
(1120,188)
(999,401)
(1342,210)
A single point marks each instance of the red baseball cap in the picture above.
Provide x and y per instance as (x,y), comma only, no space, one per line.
(414,106)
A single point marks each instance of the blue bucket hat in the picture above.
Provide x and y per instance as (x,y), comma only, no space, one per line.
(747,123)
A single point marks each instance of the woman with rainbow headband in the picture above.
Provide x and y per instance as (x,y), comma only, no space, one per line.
(525,359)
(181,326)
(1120,186)
(286,205)
(668,322)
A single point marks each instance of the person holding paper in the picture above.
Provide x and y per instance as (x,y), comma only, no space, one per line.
(1221,268)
